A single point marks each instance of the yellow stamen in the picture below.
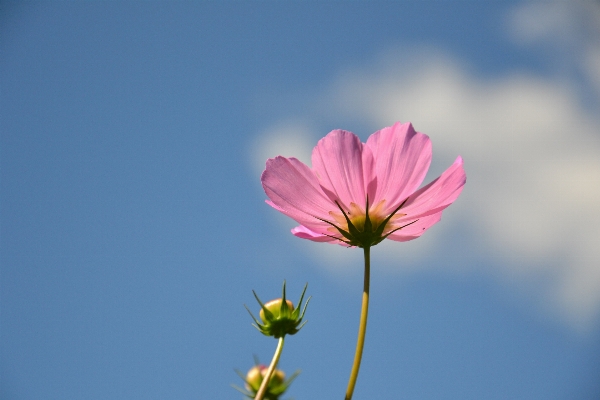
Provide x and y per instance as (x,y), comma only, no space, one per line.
(357,216)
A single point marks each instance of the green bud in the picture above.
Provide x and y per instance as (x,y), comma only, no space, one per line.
(255,376)
(252,380)
(274,306)
(279,317)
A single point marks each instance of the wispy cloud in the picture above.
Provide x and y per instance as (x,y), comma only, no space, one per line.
(531,148)
(568,31)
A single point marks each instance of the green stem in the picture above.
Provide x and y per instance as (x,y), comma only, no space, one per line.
(362,328)
(265,382)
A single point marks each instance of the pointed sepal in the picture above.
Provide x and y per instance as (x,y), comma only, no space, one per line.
(279,317)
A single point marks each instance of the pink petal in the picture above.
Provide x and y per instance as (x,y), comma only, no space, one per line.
(369,174)
(294,190)
(402,158)
(415,230)
(437,195)
(338,162)
(305,233)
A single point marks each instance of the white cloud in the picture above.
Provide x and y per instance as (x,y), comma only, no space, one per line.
(557,22)
(568,31)
(537,21)
(286,138)
(591,66)
(532,155)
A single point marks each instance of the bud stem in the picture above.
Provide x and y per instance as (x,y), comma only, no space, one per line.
(362,328)
(265,382)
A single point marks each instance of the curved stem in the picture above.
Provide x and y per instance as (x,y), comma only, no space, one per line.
(362,328)
(262,390)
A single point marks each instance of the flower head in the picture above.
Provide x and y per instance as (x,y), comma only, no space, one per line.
(358,194)
(279,317)
(254,377)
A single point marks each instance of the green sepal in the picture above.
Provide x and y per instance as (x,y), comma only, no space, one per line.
(268,314)
(284,309)
(288,322)
(370,235)
(296,311)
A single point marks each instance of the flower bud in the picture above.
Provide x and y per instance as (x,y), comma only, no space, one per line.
(279,317)
(274,306)
(255,376)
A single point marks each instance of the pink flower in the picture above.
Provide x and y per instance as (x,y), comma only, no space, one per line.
(357,194)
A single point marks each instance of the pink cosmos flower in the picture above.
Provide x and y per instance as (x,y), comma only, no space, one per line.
(357,194)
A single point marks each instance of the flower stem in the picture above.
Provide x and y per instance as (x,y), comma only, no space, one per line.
(362,328)
(262,390)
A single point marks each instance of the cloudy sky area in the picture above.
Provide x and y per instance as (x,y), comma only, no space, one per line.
(530,143)
(134,228)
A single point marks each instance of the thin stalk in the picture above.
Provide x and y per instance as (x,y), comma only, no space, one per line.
(362,327)
(262,390)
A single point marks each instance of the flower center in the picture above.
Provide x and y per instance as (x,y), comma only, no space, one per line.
(358,217)
(364,227)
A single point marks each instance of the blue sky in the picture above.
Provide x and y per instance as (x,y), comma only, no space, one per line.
(133,222)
